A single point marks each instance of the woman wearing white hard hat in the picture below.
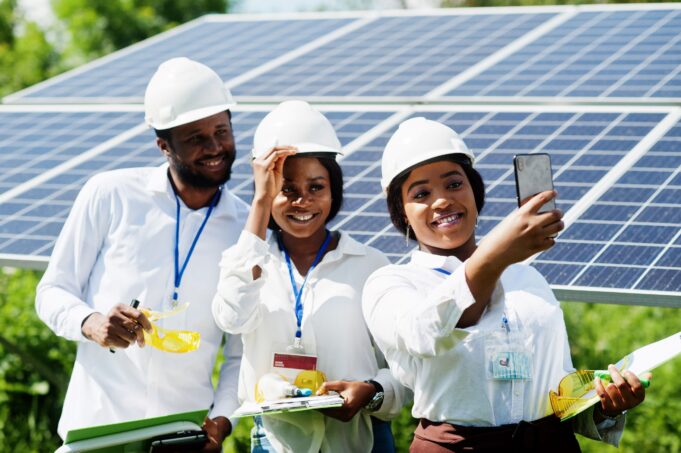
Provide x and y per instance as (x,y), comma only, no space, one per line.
(298,294)
(479,338)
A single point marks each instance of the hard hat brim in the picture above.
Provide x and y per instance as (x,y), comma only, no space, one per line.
(304,148)
(193,115)
(435,156)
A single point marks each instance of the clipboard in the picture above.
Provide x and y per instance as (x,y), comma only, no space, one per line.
(130,436)
(299,404)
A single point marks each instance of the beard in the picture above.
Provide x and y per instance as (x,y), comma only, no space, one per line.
(196,179)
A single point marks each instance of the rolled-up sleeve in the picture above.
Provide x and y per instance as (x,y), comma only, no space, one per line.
(423,324)
(60,299)
(584,424)
(236,305)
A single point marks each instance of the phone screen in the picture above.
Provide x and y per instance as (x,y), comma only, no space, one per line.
(532,176)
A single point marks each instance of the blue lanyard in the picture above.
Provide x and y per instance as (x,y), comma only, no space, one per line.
(442,271)
(180,271)
(298,293)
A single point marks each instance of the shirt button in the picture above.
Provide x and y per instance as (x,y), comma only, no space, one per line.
(516,393)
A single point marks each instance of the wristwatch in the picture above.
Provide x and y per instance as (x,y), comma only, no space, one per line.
(376,401)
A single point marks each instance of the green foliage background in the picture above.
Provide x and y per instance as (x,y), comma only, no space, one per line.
(35,366)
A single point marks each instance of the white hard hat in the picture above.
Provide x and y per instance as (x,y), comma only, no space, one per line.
(182,91)
(296,123)
(418,140)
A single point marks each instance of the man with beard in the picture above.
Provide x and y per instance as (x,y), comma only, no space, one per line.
(155,235)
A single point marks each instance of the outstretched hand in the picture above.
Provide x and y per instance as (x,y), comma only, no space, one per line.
(524,232)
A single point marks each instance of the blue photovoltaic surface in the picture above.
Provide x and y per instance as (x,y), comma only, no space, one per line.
(583,147)
(32,143)
(631,237)
(609,54)
(30,223)
(394,56)
(231,48)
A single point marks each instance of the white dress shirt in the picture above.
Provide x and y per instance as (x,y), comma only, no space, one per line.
(333,329)
(117,244)
(412,311)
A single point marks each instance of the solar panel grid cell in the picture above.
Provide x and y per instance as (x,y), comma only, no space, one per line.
(394,56)
(594,54)
(230,47)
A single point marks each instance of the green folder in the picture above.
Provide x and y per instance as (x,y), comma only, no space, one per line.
(103,430)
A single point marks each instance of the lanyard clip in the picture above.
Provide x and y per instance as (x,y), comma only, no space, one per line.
(504,324)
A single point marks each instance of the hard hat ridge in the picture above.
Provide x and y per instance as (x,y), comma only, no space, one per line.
(182,91)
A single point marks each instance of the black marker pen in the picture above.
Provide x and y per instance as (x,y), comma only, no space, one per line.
(134,304)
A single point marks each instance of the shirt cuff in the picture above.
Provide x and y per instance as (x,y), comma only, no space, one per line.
(584,424)
(77,318)
(387,381)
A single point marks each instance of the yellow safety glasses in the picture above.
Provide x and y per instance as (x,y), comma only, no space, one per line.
(170,340)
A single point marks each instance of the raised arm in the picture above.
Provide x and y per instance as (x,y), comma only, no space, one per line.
(236,304)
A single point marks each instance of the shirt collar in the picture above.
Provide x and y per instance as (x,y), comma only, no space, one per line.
(160,184)
(428,260)
(347,245)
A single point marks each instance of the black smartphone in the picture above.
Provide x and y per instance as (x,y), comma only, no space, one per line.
(532,176)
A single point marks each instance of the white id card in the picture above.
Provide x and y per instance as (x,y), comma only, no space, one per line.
(508,356)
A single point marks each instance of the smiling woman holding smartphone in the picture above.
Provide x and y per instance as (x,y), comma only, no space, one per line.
(478,337)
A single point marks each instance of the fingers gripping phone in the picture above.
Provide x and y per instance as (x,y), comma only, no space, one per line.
(532,176)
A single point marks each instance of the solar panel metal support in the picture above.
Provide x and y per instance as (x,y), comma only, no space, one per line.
(617,296)
(38,263)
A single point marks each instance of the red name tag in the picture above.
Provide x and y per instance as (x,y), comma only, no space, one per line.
(295,361)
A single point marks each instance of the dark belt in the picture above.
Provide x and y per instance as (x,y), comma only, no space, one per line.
(545,434)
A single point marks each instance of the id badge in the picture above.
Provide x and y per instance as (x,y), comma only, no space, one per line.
(508,356)
(298,368)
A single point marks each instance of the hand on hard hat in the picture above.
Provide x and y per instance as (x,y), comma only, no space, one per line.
(268,173)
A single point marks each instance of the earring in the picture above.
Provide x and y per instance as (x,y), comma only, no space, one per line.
(406,236)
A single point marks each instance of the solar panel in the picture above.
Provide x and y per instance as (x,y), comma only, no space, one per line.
(31,221)
(394,56)
(576,141)
(602,54)
(230,47)
(597,87)
(32,143)
(630,237)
